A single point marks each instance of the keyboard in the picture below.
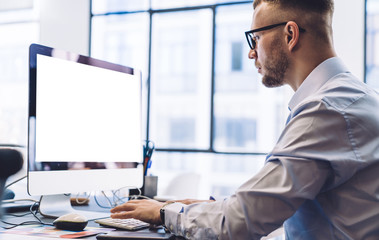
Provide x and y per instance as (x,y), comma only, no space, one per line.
(126,224)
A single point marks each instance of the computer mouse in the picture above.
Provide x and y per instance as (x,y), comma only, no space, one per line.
(71,222)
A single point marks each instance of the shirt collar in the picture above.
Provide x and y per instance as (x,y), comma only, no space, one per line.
(318,77)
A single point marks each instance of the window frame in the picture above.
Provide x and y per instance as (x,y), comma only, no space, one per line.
(213,7)
(151,12)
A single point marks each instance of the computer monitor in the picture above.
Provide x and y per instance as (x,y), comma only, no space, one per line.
(84,131)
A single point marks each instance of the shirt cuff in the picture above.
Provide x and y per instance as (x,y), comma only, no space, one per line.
(172,212)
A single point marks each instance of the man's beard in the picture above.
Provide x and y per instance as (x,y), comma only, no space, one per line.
(276,67)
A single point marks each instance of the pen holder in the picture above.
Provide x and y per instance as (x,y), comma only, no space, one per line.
(150,187)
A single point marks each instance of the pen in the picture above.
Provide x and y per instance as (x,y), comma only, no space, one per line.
(148,152)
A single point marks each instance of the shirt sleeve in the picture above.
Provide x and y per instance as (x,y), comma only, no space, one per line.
(258,207)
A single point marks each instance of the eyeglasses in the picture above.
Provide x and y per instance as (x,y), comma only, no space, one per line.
(252,40)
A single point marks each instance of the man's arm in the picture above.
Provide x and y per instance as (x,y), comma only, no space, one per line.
(258,207)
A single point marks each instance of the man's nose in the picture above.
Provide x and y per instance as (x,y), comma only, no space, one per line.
(253,54)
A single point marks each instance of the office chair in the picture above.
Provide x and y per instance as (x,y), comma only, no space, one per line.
(10,162)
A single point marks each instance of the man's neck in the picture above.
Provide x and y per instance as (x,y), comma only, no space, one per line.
(305,64)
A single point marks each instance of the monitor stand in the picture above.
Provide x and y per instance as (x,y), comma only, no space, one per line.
(53,206)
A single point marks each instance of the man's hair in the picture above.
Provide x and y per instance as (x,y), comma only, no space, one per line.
(318,6)
(313,15)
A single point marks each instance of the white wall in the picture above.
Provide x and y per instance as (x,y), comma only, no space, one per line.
(348,24)
(65,24)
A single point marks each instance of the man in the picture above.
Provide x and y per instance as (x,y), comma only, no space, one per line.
(321,179)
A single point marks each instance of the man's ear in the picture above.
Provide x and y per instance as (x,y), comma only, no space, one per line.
(292,35)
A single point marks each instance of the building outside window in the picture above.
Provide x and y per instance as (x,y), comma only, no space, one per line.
(19,28)
(372,43)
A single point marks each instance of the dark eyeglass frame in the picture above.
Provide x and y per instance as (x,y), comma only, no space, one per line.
(251,39)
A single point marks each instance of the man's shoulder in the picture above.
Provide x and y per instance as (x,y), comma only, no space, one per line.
(343,91)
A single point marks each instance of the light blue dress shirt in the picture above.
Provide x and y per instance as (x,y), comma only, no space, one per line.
(321,180)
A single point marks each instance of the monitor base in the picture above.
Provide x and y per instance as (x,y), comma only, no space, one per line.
(53,206)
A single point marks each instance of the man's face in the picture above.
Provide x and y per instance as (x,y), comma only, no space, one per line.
(270,57)
(274,65)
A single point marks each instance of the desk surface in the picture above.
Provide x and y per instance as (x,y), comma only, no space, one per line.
(21,217)
(91,223)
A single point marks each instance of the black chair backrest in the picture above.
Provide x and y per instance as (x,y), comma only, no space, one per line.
(10,162)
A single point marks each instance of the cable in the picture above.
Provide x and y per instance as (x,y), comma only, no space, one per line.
(20,200)
(19,215)
(10,184)
(12,145)
(133,197)
(138,196)
(35,215)
(18,224)
(116,199)
(98,204)
(119,199)
(85,199)
(39,221)
(109,201)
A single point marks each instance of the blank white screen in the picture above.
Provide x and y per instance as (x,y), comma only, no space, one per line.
(86,113)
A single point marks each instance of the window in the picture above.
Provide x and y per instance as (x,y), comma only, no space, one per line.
(372,43)
(18,28)
(236,60)
(123,39)
(180,78)
(236,132)
(182,131)
(206,109)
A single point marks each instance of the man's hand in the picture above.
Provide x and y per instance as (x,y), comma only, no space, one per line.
(144,210)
